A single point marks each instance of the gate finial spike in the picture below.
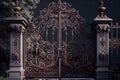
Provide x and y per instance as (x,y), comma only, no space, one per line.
(102,9)
(59,3)
(17,9)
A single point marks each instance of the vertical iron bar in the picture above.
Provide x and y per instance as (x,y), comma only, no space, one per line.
(59,33)
(59,43)
(112,33)
(66,35)
(117,37)
(117,31)
(111,37)
(59,58)
(72,34)
(53,34)
(46,34)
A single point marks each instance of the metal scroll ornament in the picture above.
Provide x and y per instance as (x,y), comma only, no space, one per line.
(49,38)
(41,54)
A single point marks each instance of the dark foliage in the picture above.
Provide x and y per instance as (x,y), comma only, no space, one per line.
(6,10)
(4,50)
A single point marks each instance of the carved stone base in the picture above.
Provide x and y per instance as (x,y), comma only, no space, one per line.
(103,73)
(16,73)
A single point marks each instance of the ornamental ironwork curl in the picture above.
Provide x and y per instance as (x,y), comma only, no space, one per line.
(49,37)
(72,56)
(40,53)
(49,17)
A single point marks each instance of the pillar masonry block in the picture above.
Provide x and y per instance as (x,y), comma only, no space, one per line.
(16,29)
(101,26)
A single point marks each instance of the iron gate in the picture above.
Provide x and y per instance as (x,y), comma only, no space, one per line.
(59,44)
(115,50)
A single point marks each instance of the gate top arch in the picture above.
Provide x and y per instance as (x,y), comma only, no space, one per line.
(58,13)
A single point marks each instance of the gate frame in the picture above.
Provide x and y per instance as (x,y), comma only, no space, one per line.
(101,25)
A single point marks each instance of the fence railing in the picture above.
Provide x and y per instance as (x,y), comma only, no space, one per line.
(114,41)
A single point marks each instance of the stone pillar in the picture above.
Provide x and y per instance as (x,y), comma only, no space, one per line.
(101,26)
(16,28)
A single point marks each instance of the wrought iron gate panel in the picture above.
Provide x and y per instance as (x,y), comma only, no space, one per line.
(115,50)
(78,60)
(58,44)
(114,40)
(40,60)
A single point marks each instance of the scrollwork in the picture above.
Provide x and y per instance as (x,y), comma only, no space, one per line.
(74,58)
(49,17)
(15,49)
(49,40)
(114,43)
(41,54)
(103,28)
(17,27)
